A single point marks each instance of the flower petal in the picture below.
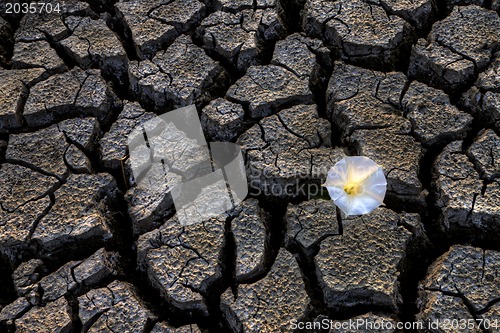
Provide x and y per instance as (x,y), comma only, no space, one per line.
(343,202)
(359,168)
(375,185)
(356,184)
(335,192)
(362,204)
(337,175)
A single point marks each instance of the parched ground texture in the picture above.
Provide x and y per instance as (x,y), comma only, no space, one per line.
(414,85)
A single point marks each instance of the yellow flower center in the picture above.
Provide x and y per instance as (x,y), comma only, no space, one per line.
(353,188)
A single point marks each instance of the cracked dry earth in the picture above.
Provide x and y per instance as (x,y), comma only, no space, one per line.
(414,85)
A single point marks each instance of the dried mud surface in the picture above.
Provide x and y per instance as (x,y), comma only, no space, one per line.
(414,85)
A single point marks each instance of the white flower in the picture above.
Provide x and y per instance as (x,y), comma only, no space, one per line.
(356,185)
